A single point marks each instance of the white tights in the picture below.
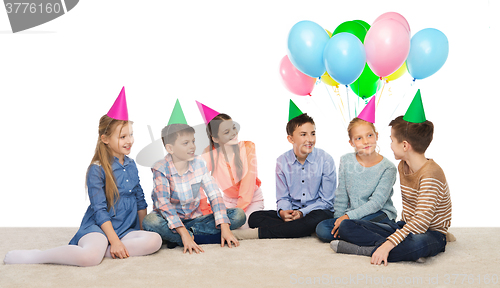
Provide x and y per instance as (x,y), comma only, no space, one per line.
(89,252)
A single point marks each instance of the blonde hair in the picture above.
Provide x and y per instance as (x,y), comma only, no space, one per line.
(358,121)
(104,156)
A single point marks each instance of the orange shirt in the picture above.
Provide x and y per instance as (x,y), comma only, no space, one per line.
(232,186)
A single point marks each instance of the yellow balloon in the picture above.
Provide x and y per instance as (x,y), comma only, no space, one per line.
(329,33)
(327,79)
(398,73)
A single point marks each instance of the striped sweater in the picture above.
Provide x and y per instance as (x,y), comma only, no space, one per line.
(426,201)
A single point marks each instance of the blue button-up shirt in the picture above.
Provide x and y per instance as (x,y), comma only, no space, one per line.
(305,187)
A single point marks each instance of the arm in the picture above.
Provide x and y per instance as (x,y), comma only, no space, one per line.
(141,214)
(116,249)
(283,200)
(425,209)
(247,184)
(213,193)
(341,197)
(379,197)
(326,191)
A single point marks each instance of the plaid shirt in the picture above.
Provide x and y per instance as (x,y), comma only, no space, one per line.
(177,197)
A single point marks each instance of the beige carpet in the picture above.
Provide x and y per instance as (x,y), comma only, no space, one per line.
(473,260)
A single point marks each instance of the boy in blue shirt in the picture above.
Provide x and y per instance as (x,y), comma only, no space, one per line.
(305,184)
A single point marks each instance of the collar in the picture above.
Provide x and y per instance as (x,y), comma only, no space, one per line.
(116,162)
(171,166)
(291,158)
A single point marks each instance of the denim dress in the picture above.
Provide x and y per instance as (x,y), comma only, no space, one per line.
(123,215)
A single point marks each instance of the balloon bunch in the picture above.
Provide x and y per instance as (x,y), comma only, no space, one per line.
(359,55)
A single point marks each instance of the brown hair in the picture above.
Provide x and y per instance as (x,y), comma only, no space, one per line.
(297,122)
(358,121)
(213,131)
(419,135)
(170,132)
(104,156)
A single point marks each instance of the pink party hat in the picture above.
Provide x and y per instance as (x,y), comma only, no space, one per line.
(368,113)
(119,109)
(206,112)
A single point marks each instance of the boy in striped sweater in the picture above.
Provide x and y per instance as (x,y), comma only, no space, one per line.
(426,200)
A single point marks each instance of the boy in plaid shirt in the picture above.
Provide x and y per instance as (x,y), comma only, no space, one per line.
(178,180)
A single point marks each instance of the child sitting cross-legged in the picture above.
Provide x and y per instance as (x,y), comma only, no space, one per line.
(422,231)
(178,180)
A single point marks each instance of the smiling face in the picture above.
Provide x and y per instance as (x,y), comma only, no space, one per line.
(183,148)
(227,134)
(120,141)
(303,139)
(363,139)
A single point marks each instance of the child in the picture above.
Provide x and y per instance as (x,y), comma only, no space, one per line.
(426,212)
(365,179)
(111,224)
(178,179)
(305,185)
(233,164)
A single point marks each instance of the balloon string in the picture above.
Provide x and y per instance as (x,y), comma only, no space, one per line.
(348,102)
(380,96)
(335,105)
(338,93)
(401,100)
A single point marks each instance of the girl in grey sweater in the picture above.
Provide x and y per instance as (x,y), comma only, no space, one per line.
(365,186)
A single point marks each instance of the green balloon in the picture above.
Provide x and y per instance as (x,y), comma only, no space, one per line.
(366,85)
(366,25)
(352,27)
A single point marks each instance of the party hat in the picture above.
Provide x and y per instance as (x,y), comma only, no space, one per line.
(177,116)
(293,111)
(119,109)
(368,113)
(415,112)
(206,112)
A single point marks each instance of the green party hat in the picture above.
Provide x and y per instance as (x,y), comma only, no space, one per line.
(293,111)
(177,116)
(415,112)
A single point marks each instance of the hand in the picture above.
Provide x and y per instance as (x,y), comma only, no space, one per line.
(286,215)
(297,214)
(117,249)
(335,230)
(190,245)
(380,255)
(227,236)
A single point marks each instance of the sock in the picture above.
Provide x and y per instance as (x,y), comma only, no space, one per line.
(246,234)
(22,257)
(208,239)
(341,246)
(450,237)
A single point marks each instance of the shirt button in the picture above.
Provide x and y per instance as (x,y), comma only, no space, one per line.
(127,180)
(303,194)
(129,190)
(124,170)
(303,206)
(302,181)
(302,168)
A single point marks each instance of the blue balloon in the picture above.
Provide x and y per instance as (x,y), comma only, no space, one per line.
(306,42)
(428,53)
(344,58)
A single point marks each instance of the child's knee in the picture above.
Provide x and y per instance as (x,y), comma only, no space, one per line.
(237,217)
(151,222)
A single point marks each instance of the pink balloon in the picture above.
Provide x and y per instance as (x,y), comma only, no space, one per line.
(387,45)
(294,80)
(394,16)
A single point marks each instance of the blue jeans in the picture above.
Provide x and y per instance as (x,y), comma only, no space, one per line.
(414,246)
(325,227)
(203,225)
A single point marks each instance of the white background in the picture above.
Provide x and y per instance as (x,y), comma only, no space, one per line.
(57,79)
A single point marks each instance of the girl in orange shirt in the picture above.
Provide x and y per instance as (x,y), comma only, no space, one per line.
(232,163)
